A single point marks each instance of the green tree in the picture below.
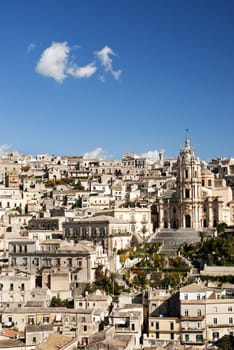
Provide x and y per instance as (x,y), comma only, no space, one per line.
(226,342)
(140,280)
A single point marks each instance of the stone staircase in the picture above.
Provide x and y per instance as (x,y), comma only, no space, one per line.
(171,239)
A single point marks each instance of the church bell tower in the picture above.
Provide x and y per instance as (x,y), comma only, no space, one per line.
(189,191)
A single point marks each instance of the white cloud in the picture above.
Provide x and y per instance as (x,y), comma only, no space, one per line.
(152,155)
(31,47)
(104,56)
(97,153)
(4,148)
(57,62)
(82,72)
(53,61)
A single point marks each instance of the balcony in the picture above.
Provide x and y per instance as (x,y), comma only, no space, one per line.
(220,325)
(192,329)
(192,318)
(193,342)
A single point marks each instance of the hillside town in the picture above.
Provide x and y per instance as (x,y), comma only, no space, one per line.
(122,254)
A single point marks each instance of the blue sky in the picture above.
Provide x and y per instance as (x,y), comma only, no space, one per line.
(105,77)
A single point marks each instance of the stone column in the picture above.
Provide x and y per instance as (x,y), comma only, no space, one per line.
(161,214)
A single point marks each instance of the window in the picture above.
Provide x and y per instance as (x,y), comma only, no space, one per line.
(198,297)
(199,338)
(198,312)
(187,193)
(215,336)
(157,335)
(102,232)
(186,297)
(215,320)
(230,320)
(34,339)
(94,232)
(30,320)
(214,308)
(230,308)
(84,232)
(186,312)
(85,328)
(172,336)
(133,327)
(157,325)
(76,232)
(172,326)
(11,286)
(186,337)
(46,319)
(209,182)
(186,174)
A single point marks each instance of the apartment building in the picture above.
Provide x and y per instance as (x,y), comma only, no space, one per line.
(128,321)
(78,323)
(138,218)
(58,265)
(15,288)
(106,230)
(163,321)
(206,314)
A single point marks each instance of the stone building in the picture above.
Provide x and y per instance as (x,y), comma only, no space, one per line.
(106,230)
(206,314)
(58,265)
(195,199)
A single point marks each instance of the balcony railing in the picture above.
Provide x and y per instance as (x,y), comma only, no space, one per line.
(192,342)
(192,318)
(192,329)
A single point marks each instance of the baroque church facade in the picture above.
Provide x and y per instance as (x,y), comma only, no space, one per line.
(195,198)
